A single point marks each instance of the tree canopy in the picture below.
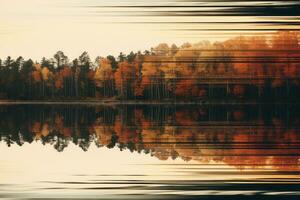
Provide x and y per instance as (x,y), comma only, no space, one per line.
(242,67)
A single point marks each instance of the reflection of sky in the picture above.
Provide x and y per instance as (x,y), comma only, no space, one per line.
(44,160)
(36,28)
(40,171)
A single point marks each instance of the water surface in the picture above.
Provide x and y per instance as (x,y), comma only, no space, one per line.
(149,151)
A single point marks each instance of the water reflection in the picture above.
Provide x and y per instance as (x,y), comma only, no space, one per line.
(245,136)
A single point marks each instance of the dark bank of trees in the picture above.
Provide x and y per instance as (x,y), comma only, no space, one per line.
(252,67)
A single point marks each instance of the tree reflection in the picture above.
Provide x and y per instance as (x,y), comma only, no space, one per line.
(249,136)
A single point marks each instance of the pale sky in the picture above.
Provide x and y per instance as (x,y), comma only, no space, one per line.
(37,28)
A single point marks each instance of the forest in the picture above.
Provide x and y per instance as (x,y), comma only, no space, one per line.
(258,68)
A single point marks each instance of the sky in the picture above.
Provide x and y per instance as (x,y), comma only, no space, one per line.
(39,28)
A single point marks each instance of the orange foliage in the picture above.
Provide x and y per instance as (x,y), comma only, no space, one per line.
(66,72)
(59,83)
(126,74)
(36,75)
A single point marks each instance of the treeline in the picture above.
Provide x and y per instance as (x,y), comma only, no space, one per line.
(251,135)
(245,67)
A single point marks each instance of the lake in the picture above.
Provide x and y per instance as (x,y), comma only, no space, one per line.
(149,151)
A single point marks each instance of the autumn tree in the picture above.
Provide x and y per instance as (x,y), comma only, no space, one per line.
(104,77)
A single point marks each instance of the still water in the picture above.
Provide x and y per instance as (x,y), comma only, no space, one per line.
(149,151)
